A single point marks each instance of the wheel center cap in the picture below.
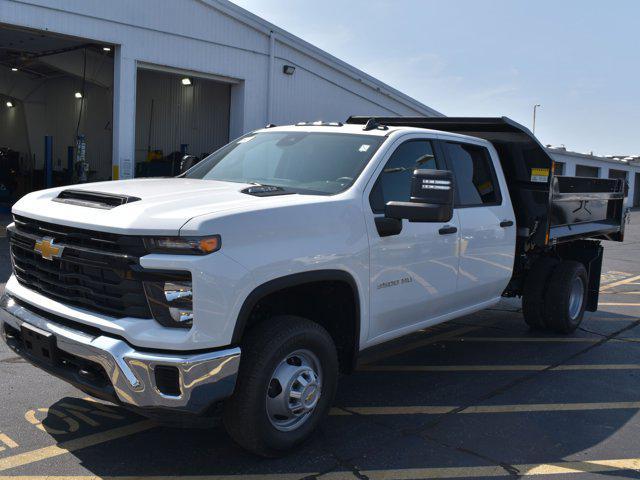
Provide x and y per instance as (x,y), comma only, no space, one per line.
(310,395)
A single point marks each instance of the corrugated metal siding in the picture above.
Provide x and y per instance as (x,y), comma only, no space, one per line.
(314,78)
(197,115)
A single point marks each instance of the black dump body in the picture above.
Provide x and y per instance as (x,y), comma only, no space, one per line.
(549,209)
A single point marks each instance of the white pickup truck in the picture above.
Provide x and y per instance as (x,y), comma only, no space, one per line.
(255,277)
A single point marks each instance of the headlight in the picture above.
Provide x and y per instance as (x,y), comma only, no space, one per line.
(171,302)
(183,245)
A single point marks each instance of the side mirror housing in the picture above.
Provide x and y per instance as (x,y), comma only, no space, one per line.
(431,198)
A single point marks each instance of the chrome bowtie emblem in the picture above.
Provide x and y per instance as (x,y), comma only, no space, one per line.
(47,249)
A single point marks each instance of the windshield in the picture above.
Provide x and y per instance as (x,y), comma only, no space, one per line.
(300,162)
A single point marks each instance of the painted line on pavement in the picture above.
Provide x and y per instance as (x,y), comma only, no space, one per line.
(619,282)
(614,304)
(613,319)
(521,408)
(74,444)
(494,368)
(541,339)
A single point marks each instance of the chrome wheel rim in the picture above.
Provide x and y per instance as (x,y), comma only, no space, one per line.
(576,297)
(294,390)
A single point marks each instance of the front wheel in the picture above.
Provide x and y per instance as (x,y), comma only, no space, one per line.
(286,384)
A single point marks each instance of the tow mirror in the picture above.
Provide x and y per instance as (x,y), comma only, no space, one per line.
(431,198)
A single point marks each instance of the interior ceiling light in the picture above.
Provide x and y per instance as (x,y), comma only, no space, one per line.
(14,69)
(106,49)
(9,104)
(186,81)
(78,94)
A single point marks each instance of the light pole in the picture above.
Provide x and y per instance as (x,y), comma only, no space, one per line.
(534,117)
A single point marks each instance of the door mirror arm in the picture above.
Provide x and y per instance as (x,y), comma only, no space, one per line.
(388,226)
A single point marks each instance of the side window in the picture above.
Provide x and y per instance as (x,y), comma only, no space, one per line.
(475,179)
(394,183)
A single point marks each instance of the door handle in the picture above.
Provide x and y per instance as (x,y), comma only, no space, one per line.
(447,230)
(506,223)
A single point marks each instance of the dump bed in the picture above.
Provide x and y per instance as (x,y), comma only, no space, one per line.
(549,209)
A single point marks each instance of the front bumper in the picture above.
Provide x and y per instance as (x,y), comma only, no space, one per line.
(110,368)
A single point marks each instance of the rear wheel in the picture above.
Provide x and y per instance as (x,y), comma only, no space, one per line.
(535,287)
(286,384)
(566,297)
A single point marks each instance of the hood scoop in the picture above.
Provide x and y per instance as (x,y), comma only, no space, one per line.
(84,198)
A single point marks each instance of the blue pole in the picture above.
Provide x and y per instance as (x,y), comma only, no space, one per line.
(48,161)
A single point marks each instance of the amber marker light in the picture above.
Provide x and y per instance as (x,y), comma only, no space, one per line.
(210,244)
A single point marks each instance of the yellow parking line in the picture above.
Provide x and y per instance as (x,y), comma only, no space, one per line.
(619,282)
(494,368)
(72,445)
(613,304)
(529,339)
(439,410)
(611,319)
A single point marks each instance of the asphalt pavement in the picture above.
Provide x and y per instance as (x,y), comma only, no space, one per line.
(478,397)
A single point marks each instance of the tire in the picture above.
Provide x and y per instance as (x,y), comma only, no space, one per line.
(534,289)
(566,297)
(293,349)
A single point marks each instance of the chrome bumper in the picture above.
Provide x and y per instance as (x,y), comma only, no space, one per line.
(203,378)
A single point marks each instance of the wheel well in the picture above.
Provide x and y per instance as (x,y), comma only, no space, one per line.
(329,301)
(587,252)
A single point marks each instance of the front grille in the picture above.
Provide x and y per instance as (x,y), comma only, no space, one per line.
(97,271)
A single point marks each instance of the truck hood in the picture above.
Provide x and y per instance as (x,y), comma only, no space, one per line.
(164,205)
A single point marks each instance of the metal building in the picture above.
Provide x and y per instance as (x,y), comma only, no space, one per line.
(130,86)
(578,164)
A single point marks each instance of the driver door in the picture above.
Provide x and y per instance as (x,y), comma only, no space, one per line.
(414,274)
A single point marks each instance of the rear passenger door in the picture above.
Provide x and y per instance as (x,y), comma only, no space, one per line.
(487,222)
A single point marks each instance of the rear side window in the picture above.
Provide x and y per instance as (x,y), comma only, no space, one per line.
(475,179)
(394,183)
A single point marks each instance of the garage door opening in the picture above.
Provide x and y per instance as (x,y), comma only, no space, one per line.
(56,96)
(177,115)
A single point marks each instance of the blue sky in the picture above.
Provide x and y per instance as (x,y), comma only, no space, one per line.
(579,59)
